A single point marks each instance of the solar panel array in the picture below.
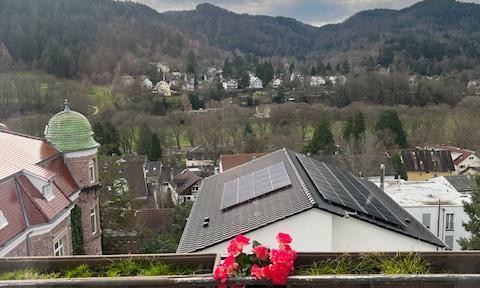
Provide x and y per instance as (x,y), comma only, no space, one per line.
(255,184)
(342,188)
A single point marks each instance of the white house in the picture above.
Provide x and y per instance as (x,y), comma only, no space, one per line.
(463,159)
(316,81)
(340,79)
(147,83)
(162,88)
(230,84)
(276,83)
(324,209)
(255,83)
(421,200)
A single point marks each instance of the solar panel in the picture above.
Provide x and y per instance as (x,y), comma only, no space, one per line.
(342,188)
(255,184)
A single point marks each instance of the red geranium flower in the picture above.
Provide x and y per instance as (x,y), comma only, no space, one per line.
(242,240)
(284,239)
(280,272)
(261,252)
(256,272)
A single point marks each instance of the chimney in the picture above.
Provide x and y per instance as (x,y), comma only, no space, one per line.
(382,177)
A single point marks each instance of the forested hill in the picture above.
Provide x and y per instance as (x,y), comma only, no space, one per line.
(428,37)
(260,35)
(94,38)
(75,38)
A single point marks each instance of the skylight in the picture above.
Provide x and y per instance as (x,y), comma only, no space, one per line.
(255,184)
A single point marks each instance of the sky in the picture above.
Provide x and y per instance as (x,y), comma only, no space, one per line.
(315,12)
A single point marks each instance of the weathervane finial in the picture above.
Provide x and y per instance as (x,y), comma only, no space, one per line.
(67,106)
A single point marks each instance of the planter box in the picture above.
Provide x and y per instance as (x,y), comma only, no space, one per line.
(463,270)
(54,264)
(441,262)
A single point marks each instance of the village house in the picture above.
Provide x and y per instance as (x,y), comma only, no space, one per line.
(426,164)
(255,83)
(229,161)
(146,83)
(41,181)
(436,204)
(316,81)
(162,88)
(473,87)
(186,186)
(276,83)
(320,205)
(463,159)
(231,84)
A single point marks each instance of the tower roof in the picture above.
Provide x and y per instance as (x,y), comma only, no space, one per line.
(70,131)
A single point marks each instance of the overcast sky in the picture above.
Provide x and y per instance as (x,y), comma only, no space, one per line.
(315,12)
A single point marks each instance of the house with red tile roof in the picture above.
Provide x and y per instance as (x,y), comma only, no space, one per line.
(229,161)
(41,181)
(465,161)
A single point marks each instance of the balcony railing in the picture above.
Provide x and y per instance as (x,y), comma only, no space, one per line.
(449,269)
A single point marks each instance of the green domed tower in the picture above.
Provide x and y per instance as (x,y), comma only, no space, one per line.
(70,131)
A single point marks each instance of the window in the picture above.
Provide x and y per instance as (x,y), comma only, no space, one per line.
(195,189)
(471,158)
(47,192)
(449,242)
(59,246)
(91,171)
(449,222)
(3,220)
(426,220)
(93,220)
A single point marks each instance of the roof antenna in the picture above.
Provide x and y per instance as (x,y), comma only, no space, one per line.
(67,106)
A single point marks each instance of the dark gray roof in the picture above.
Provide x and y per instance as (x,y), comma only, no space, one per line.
(300,196)
(132,171)
(153,168)
(369,165)
(463,183)
(428,160)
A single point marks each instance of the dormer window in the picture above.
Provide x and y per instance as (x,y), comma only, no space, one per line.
(3,220)
(91,171)
(47,192)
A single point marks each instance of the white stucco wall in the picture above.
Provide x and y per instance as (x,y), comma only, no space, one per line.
(354,235)
(310,230)
(318,231)
(459,217)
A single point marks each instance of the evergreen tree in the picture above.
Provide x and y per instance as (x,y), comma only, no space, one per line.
(191,62)
(345,67)
(347,130)
(313,72)
(399,167)
(358,125)
(320,68)
(268,73)
(328,68)
(143,140)
(107,135)
(338,69)
(472,208)
(155,149)
(389,120)
(245,81)
(322,141)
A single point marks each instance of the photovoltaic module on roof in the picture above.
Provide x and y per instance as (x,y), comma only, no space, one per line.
(255,184)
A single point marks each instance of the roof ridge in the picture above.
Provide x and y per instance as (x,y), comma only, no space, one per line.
(35,204)
(300,179)
(24,135)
